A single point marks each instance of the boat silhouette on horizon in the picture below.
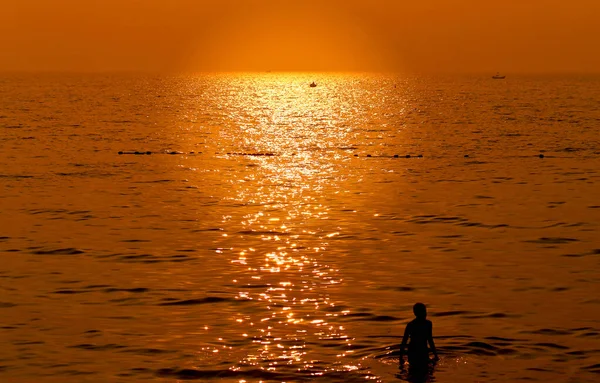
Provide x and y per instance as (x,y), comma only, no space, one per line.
(498,76)
(313,84)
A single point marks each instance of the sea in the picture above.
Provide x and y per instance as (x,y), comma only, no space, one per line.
(246,227)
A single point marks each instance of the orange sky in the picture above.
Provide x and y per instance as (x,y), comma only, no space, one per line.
(307,35)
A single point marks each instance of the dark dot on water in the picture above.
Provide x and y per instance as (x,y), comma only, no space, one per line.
(466,156)
(541,155)
(120,152)
(368,155)
(356,155)
(395,156)
(148,152)
(420,156)
(408,156)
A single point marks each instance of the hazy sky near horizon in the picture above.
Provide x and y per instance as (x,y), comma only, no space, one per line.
(300,35)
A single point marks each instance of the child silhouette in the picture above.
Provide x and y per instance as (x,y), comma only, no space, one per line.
(419,330)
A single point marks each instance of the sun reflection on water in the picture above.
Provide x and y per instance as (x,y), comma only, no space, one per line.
(282,116)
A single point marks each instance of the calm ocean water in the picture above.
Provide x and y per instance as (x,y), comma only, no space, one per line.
(283,241)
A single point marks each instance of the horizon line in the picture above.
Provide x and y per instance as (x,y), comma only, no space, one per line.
(216,72)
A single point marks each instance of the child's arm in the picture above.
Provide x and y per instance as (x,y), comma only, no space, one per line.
(404,341)
(431,343)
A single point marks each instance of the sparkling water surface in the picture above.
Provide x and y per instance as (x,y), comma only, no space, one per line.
(272,235)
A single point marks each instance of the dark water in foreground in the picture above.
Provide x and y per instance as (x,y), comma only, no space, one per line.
(302,265)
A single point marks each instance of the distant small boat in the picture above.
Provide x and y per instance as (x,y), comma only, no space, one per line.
(497,76)
(312,84)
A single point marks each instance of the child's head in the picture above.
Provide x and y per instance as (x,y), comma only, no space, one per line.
(420,310)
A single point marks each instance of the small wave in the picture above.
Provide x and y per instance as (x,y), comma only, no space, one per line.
(483,345)
(192,374)
(548,331)
(27,342)
(475,163)
(148,351)
(370,317)
(595,368)
(497,338)
(65,251)
(199,301)
(261,232)
(105,288)
(132,290)
(260,286)
(94,347)
(154,181)
(458,221)
(14,176)
(149,258)
(70,291)
(592,252)
(552,345)
(384,318)
(289,374)
(207,229)
(491,315)
(358,315)
(538,369)
(552,240)
(51,211)
(450,313)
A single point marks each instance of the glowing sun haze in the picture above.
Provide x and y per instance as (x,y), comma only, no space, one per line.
(300,35)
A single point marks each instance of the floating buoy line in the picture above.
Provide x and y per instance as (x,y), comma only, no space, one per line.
(268,154)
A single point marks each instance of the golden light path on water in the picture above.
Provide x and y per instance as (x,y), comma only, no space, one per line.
(275,256)
(294,306)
